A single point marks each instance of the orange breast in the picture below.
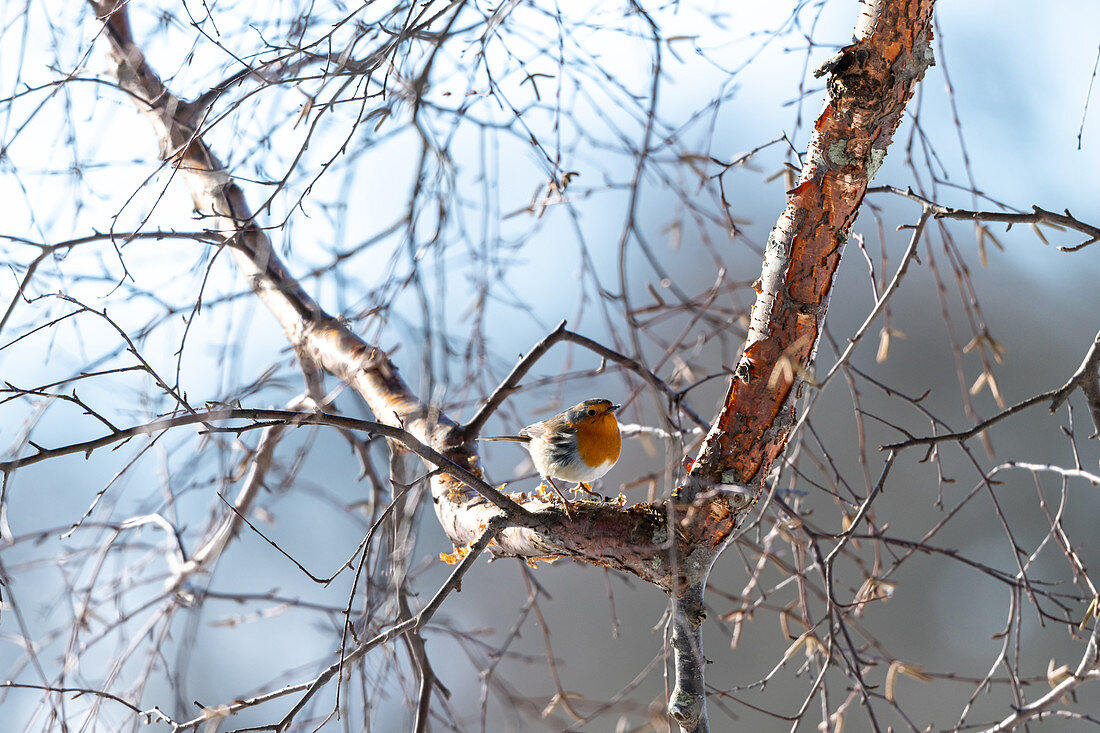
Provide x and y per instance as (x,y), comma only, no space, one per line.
(599,441)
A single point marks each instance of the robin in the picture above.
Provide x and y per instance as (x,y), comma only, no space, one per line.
(580,444)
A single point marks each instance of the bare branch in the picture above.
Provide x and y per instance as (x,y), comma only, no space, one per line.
(511,509)
(1086,378)
(512,382)
(1088,669)
(1038,215)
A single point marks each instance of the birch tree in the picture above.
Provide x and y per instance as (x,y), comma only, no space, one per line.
(375,180)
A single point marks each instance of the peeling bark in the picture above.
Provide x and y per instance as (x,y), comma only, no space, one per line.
(869,85)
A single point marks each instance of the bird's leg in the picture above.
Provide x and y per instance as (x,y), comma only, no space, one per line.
(582,486)
(567,505)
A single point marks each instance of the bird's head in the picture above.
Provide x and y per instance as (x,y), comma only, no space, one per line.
(591,411)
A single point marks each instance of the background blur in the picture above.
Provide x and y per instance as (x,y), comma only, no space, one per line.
(427,221)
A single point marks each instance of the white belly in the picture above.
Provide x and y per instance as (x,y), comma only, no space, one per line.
(577,470)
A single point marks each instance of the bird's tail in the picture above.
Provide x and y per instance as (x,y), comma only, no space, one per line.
(513,438)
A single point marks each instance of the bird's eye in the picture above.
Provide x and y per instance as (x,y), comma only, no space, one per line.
(591,413)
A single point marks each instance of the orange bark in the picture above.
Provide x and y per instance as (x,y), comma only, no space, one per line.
(871,82)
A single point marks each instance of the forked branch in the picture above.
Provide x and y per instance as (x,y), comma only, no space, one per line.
(674,544)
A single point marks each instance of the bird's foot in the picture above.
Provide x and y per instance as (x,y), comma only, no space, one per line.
(587,488)
(567,504)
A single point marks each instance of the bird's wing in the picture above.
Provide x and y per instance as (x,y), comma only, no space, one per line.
(536,430)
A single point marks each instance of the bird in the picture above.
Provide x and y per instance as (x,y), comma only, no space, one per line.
(580,444)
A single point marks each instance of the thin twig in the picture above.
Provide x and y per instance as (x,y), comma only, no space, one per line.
(512,381)
(514,511)
(1087,669)
(454,582)
(77,692)
(1085,378)
(1038,215)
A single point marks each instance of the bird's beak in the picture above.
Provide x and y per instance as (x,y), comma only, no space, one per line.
(613,408)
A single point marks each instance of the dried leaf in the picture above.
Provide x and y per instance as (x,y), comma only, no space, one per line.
(784,622)
(455,557)
(874,589)
(915,671)
(1057,675)
(992,382)
(1091,612)
(837,720)
(986,379)
(809,641)
(304,114)
(997,348)
(993,238)
(533,562)
(563,700)
(883,345)
(1039,233)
